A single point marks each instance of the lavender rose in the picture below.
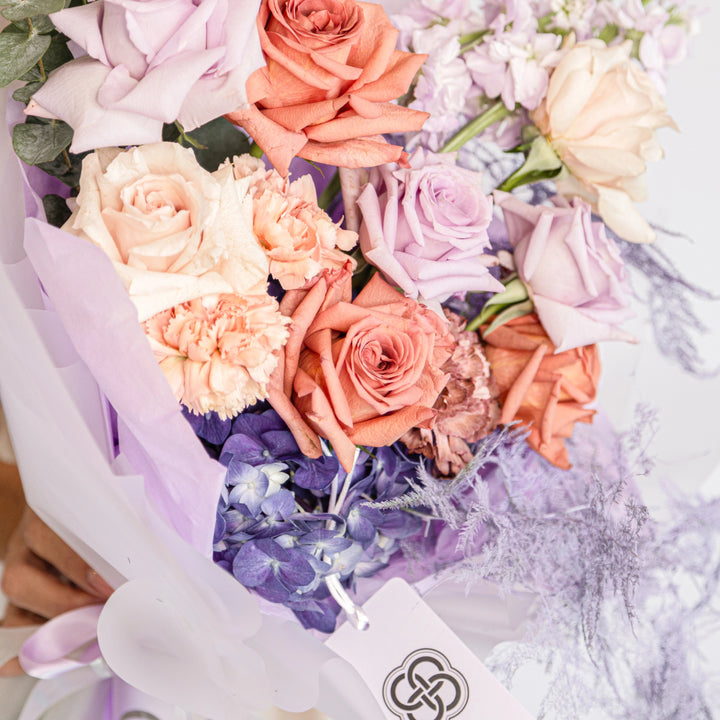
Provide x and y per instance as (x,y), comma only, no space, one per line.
(425,227)
(573,269)
(148,63)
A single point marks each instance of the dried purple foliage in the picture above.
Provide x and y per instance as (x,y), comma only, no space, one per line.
(613,626)
(669,297)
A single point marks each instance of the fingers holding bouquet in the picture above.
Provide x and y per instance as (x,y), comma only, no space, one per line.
(43,578)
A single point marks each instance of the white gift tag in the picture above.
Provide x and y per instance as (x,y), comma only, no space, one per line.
(416,667)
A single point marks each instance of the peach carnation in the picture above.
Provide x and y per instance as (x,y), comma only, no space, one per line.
(299,238)
(466,408)
(218,352)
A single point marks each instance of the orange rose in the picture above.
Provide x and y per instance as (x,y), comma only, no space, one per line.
(361,372)
(325,94)
(544,391)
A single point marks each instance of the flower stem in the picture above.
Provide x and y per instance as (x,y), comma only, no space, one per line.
(330,192)
(492,115)
(256,150)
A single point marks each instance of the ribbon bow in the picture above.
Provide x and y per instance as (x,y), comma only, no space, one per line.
(65,656)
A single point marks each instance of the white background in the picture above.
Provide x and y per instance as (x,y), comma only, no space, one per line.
(683,197)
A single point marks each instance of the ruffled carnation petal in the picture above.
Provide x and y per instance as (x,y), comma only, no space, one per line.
(219,353)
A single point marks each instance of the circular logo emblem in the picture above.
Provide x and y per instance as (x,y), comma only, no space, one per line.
(425,687)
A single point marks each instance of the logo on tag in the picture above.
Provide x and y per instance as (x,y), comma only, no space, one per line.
(425,687)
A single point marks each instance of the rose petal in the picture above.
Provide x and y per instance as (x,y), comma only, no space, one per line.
(94,126)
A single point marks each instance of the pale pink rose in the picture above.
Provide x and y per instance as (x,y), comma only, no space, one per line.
(299,238)
(218,352)
(573,269)
(173,231)
(150,63)
(600,115)
(425,227)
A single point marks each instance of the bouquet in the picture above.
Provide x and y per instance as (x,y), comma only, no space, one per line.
(318,301)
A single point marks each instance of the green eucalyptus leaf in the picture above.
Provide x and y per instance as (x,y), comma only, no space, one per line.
(24,93)
(40,143)
(18,53)
(57,54)
(19,9)
(56,210)
(216,141)
(10,29)
(66,173)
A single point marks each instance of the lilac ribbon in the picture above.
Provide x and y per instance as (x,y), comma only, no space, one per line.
(45,654)
(64,654)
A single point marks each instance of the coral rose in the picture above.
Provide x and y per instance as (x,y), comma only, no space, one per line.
(573,268)
(325,95)
(218,352)
(173,231)
(467,409)
(361,372)
(545,391)
(298,237)
(600,115)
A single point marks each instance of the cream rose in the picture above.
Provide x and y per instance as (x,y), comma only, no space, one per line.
(173,231)
(600,115)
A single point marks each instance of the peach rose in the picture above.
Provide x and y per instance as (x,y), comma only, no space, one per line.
(544,391)
(218,353)
(326,93)
(173,231)
(600,115)
(361,372)
(298,237)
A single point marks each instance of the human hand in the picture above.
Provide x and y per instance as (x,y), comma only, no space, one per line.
(44,577)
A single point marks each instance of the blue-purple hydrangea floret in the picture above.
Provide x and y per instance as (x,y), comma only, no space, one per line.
(275,531)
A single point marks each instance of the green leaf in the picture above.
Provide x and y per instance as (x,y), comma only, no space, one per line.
(542,163)
(18,53)
(36,25)
(20,9)
(57,54)
(221,140)
(11,29)
(510,313)
(24,93)
(331,191)
(56,210)
(36,143)
(515,292)
(59,168)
